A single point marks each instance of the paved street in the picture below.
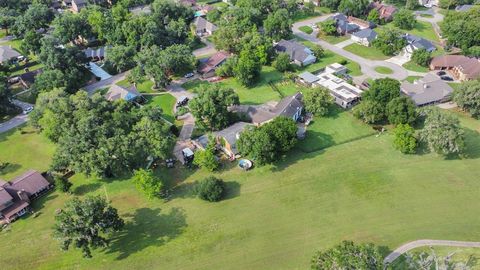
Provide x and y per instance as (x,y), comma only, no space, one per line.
(367,65)
(17,120)
(425,243)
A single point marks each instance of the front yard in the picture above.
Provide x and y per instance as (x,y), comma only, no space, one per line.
(366,52)
(164,101)
(410,65)
(421,29)
(274,217)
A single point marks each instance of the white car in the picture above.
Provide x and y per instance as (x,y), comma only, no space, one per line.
(28,110)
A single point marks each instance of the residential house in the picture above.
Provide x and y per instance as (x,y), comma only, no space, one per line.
(416,43)
(226,139)
(363,24)
(78,5)
(364,37)
(16,195)
(299,54)
(203,27)
(348,25)
(118,92)
(386,12)
(344,94)
(188,3)
(428,3)
(27,79)
(208,67)
(461,67)
(428,90)
(95,54)
(8,55)
(290,107)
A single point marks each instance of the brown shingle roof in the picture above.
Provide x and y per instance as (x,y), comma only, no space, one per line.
(5,197)
(31,182)
(213,62)
(469,66)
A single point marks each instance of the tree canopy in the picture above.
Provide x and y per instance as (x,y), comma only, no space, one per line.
(404,19)
(85,224)
(467,97)
(210,107)
(405,140)
(146,182)
(460,28)
(270,141)
(389,41)
(98,137)
(348,255)
(317,101)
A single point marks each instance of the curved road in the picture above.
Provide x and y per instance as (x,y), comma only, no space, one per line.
(427,242)
(367,65)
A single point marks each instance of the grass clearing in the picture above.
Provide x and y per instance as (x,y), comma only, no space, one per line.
(24,149)
(145,86)
(383,70)
(306,29)
(366,52)
(337,128)
(333,39)
(411,65)
(274,217)
(164,101)
(421,29)
(411,79)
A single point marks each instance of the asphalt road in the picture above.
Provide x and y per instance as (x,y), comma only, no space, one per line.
(425,243)
(17,120)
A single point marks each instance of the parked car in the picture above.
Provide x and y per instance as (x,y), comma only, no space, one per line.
(189,75)
(441,73)
(447,78)
(28,110)
(182,101)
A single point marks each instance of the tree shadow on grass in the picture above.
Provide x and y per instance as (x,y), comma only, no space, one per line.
(147,227)
(10,168)
(232,190)
(472,144)
(315,141)
(87,188)
(39,203)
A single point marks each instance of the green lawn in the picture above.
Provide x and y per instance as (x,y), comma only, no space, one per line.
(422,29)
(334,39)
(330,58)
(306,29)
(145,86)
(166,102)
(260,93)
(24,149)
(31,67)
(383,70)
(366,52)
(274,217)
(337,128)
(410,65)
(411,79)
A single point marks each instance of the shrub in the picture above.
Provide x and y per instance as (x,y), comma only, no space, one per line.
(62,184)
(210,189)
(282,62)
(405,140)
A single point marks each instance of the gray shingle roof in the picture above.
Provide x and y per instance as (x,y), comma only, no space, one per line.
(295,50)
(367,33)
(308,77)
(7,53)
(204,25)
(427,90)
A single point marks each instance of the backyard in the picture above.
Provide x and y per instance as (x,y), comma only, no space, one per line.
(274,217)
(421,29)
(164,101)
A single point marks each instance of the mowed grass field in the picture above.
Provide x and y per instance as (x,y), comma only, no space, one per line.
(274,217)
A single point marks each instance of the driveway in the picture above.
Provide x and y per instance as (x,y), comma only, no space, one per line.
(435,20)
(425,243)
(205,51)
(92,88)
(184,139)
(367,66)
(13,123)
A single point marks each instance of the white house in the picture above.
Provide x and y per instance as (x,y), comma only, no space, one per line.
(364,37)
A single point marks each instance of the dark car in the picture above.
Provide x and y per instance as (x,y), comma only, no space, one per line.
(447,78)
(441,73)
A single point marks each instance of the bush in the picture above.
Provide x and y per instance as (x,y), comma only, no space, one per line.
(405,140)
(62,184)
(421,57)
(282,62)
(210,189)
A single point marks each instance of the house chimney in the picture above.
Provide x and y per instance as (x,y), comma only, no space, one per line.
(23,195)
